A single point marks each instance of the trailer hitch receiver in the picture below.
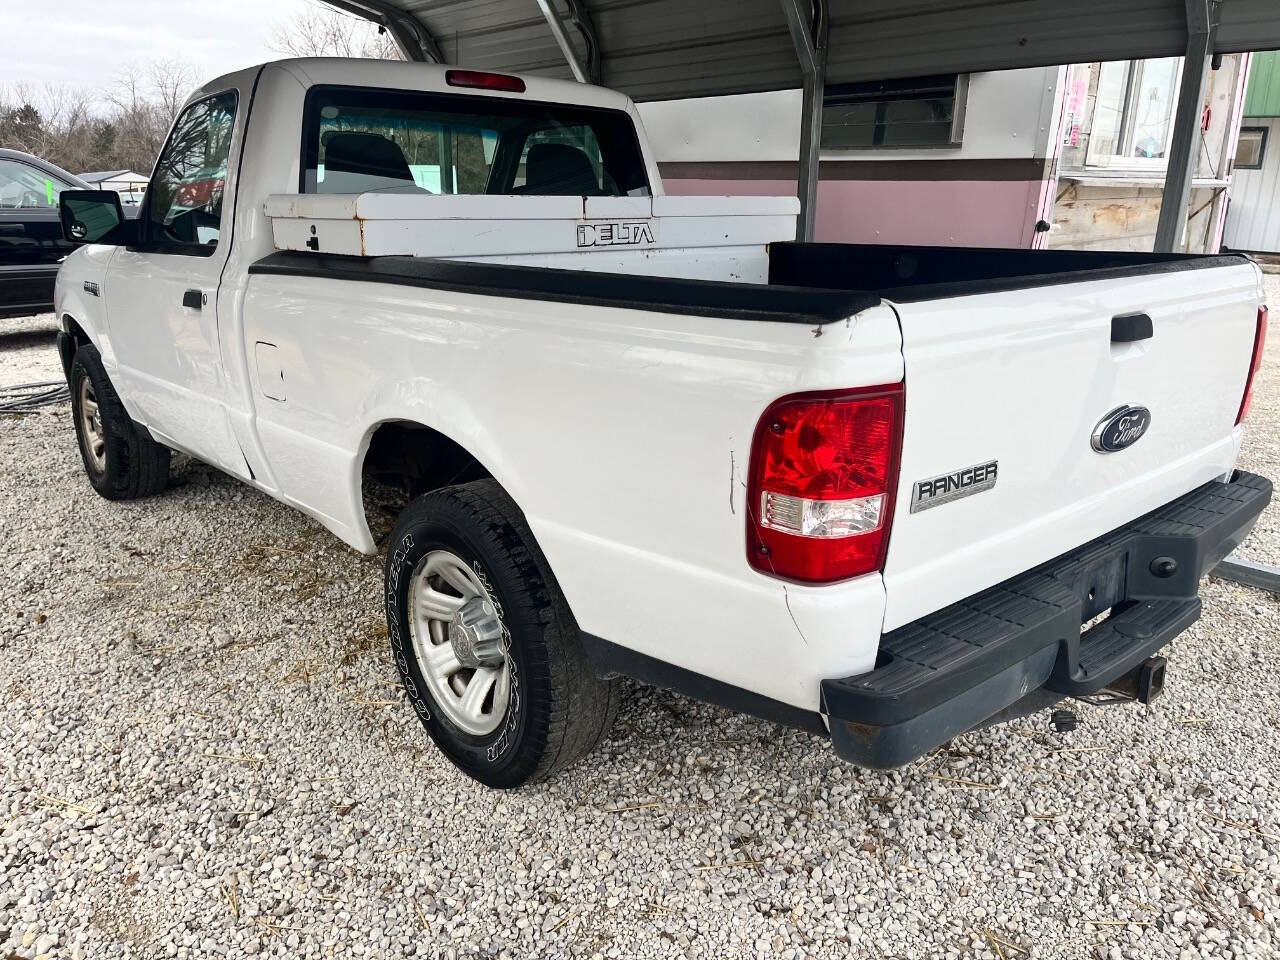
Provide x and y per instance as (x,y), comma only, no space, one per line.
(1143,684)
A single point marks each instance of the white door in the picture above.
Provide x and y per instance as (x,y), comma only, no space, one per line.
(162,293)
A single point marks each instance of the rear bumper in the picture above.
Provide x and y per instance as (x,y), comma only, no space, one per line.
(953,669)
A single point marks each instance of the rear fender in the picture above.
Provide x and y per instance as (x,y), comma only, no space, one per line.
(429,404)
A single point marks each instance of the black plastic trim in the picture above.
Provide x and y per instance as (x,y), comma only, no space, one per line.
(809,283)
(971,288)
(66,353)
(908,274)
(610,660)
(1131,327)
(706,298)
(949,671)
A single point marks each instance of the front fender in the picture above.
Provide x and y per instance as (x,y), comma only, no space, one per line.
(82,273)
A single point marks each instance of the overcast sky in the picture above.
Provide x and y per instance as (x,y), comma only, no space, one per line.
(88,43)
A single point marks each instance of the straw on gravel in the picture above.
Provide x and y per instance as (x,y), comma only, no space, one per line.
(203,752)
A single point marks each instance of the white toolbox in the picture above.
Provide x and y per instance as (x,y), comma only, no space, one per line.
(502,227)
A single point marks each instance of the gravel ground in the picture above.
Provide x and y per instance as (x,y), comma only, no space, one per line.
(206,753)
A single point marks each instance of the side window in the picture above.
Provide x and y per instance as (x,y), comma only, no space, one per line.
(23,187)
(185,208)
(919,112)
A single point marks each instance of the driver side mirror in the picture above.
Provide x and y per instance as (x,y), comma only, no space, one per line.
(95,216)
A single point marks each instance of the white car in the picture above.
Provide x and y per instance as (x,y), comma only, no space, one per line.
(886,494)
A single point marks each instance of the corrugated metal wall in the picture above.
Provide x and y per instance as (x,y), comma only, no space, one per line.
(1253,219)
(1263,97)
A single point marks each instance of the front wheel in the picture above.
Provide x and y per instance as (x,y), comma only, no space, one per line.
(121,461)
(486,646)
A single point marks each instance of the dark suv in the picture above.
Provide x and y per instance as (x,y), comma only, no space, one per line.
(31,244)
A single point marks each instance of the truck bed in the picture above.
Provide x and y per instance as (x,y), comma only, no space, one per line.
(997,371)
(810,283)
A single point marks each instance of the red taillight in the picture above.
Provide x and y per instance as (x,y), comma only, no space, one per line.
(1259,341)
(484,81)
(824,471)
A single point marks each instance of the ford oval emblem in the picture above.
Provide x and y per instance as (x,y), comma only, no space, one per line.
(1122,427)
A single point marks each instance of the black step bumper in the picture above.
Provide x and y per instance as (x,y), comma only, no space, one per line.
(954,669)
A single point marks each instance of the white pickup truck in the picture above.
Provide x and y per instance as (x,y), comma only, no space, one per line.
(884,494)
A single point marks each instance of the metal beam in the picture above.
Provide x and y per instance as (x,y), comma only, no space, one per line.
(408,32)
(808,23)
(1249,573)
(584,71)
(1184,151)
(580,17)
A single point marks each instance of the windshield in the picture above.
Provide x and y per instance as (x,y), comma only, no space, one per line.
(386,141)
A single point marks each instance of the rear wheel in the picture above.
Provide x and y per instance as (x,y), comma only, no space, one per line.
(486,646)
(122,462)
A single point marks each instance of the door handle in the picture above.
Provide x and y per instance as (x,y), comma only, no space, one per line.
(1130,328)
(193,299)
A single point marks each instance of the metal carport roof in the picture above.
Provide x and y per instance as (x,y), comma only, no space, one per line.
(663,49)
(666,49)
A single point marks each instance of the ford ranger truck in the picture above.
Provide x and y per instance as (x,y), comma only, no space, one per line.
(885,494)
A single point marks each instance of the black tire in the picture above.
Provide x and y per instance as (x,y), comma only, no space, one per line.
(132,464)
(559,708)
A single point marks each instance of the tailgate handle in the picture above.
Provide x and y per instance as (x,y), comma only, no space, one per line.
(1130,328)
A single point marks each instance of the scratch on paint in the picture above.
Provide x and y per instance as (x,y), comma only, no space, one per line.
(731,474)
(787,597)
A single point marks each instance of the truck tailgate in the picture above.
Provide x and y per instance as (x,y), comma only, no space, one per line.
(1022,378)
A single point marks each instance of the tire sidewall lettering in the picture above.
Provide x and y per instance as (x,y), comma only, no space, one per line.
(511,724)
(402,561)
(398,570)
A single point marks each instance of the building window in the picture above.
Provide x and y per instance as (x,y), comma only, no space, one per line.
(923,112)
(1251,148)
(1133,113)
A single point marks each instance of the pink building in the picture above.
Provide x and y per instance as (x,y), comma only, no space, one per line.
(1046,156)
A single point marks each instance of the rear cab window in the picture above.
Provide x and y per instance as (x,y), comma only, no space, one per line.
(366,140)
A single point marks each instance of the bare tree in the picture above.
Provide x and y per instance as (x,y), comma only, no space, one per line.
(51,120)
(171,83)
(319,32)
(144,102)
(122,127)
